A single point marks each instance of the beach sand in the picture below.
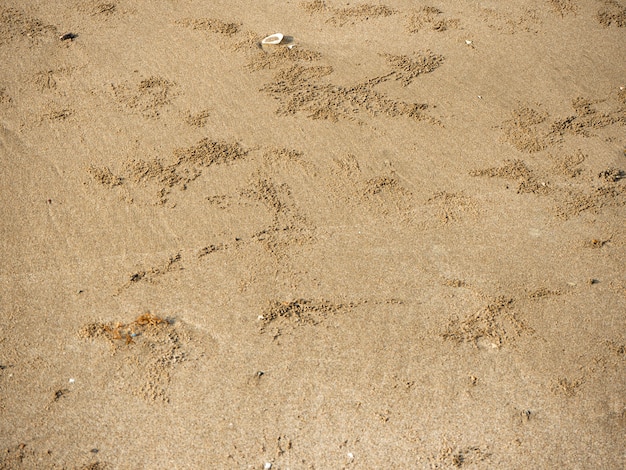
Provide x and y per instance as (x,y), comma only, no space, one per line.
(394,240)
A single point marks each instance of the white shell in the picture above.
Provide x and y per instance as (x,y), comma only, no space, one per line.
(273,39)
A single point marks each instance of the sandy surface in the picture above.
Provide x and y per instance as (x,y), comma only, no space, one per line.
(395,240)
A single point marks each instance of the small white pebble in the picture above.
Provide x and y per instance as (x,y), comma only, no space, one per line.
(468,42)
(260,317)
(480,97)
(72,381)
(350,456)
(267,465)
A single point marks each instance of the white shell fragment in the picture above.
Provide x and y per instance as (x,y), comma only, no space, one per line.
(273,39)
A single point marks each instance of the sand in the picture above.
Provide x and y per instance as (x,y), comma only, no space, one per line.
(394,240)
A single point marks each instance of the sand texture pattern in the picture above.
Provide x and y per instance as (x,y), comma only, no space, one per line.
(394,240)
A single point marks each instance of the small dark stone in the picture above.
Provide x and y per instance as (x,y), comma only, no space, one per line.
(94,450)
(68,37)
